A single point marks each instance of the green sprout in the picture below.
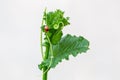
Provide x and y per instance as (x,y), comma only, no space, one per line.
(57,46)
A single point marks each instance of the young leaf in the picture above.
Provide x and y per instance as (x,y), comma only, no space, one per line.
(68,45)
(55,18)
(56,37)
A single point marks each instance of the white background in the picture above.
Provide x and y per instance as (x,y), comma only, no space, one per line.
(96,20)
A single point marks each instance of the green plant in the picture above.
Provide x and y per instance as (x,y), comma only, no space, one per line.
(57,47)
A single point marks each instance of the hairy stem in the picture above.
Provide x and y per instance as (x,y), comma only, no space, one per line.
(41,43)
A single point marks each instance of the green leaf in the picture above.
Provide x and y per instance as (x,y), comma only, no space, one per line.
(68,45)
(53,19)
(56,37)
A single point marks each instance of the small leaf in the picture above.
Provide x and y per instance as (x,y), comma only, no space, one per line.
(56,37)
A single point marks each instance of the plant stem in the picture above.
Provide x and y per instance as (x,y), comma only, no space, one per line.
(45,72)
(41,33)
(41,43)
(41,39)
